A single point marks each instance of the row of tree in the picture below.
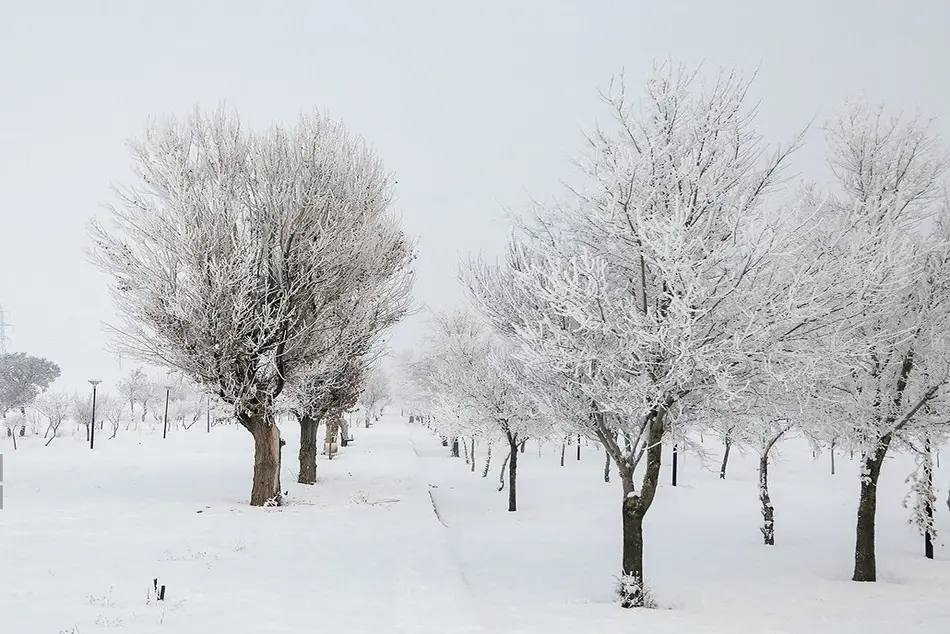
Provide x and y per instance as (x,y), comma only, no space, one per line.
(681,287)
(264,266)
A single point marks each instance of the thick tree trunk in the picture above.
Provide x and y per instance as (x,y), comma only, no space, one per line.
(332,430)
(865,562)
(344,431)
(307,456)
(512,473)
(487,461)
(725,458)
(265,490)
(768,511)
(632,590)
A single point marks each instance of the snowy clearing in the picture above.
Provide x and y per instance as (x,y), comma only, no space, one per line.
(86,532)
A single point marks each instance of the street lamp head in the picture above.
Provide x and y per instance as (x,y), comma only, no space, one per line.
(168,388)
(94,382)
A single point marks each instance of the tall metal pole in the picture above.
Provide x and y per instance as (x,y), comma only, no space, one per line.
(675,461)
(92,428)
(165,426)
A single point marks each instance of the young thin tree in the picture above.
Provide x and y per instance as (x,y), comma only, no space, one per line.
(54,406)
(229,250)
(888,234)
(653,285)
(466,370)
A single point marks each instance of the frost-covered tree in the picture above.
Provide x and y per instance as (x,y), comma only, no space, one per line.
(653,287)
(229,250)
(54,406)
(81,411)
(351,343)
(136,388)
(375,393)
(22,378)
(886,237)
(476,385)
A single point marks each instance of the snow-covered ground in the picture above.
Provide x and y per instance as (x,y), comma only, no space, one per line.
(84,533)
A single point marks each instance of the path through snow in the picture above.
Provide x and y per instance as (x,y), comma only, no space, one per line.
(84,534)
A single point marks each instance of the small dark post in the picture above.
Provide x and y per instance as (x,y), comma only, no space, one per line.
(675,461)
(161,593)
(165,424)
(92,428)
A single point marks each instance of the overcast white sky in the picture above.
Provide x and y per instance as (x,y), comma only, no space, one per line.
(476,106)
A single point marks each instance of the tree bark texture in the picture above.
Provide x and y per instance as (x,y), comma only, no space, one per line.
(865,561)
(768,511)
(265,489)
(725,458)
(634,509)
(307,455)
(512,473)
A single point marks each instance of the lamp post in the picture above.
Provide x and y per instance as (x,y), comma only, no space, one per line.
(92,426)
(168,390)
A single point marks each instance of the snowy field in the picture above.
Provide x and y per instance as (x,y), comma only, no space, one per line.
(84,534)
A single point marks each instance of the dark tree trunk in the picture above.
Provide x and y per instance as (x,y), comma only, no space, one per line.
(523,444)
(865,562)
(487,461)
(725,458)
(632,592)
(465,450)
(455,447)
(473,455)
(578,446)
(768,511)
(265,489)
(607,466)
(307,455)
(501,474)
(563,451)
(512,473)
(634,509)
